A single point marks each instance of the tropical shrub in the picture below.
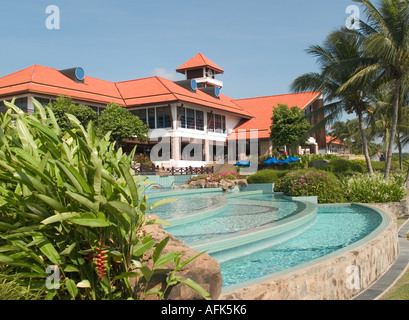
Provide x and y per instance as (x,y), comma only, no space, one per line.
(341,166)
(266,176)
(304,183)
(72,204)
(374,189)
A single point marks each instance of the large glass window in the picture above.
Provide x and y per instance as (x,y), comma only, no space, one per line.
(151,118)
(21,103)
(163,117)
(190,116)
(3,108)
(210,121)
(43,101)
(182,117)
(199,120)
(141,114)
(216,123)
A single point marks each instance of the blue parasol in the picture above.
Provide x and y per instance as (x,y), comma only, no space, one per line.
(272,161)
(242,163)
(291,159)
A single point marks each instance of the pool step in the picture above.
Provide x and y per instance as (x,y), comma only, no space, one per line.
(229,248)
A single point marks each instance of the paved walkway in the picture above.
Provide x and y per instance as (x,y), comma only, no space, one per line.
(395,271)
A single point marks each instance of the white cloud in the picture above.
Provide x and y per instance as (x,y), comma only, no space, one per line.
(161,72)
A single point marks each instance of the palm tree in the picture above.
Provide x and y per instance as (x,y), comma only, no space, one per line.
(340,58)
(386,41)
(381,120)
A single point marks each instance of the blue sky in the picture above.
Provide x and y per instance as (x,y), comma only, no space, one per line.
(260,44)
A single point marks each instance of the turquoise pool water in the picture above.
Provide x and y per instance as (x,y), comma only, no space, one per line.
(335,228)
(331,228)
(243,214)
(189,205)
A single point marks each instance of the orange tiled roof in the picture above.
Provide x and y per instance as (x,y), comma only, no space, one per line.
(333,140)
(199,60)
(262,110)
(43,80)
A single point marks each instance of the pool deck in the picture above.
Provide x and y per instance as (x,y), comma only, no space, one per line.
(399,267)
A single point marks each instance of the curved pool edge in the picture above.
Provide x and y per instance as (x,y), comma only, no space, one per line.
(281,227)
(340,275)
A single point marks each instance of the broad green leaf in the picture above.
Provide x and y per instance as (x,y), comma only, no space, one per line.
(56,205)
(84,201)
(147,273)
(196,287)
(25,137)
(166,258)
(84,284)
(159,221)
(127,275)
(71,287)
(68,250)
(159,248)
(71,268)
(162,202)
(48,249)
(123,207)
(141,248)
(5,259)
(58,217)
(93,223)
(50,295)
(130,182)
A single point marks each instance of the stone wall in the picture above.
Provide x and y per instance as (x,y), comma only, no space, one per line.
(330,279)
(397,209)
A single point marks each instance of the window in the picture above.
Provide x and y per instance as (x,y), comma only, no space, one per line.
(182,117)
(210,121)
(199,120)
(190,116)
(216,123)
(21,103)
(141,114)
(163,117)
(3,108)
(151,118)
(43,101)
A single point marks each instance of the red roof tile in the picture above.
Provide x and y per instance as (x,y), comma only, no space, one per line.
(159,90)
(262,109)
(43,80)
(333,140)
(197,61)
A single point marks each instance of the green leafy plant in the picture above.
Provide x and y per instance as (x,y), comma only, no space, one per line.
(304,183)
(266,176)
(374,189)
(73,203)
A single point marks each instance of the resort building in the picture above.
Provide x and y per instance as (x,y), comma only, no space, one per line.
(199,124)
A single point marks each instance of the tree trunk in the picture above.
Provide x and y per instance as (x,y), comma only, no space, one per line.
(365,143)
(393,128)
(407,180)
(398,142)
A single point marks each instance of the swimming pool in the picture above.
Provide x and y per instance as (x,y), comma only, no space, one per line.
(278,234)
(335,227)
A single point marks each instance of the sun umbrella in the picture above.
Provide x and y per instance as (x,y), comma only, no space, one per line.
(272,161)
(291,159)
(242,163)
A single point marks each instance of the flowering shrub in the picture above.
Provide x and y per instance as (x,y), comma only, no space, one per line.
(374,189)
(303,183)
(217,177)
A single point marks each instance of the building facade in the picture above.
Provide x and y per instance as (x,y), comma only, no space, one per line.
(191,122)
